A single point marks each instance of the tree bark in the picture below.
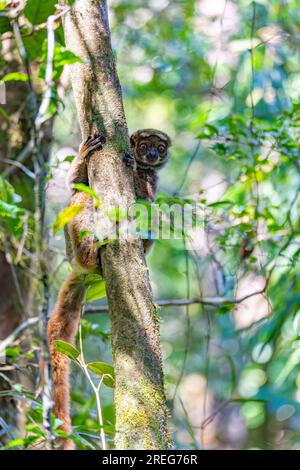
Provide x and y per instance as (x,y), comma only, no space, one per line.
(16,284)
(141,414)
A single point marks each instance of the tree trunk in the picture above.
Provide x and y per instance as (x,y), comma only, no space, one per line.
(141,415)
(15,283)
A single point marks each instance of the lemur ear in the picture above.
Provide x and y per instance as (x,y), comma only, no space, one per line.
(133,139)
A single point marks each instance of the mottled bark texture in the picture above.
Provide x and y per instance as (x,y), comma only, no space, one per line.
(15,283)
(141,415)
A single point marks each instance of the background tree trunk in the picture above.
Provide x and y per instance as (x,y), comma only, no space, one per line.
(141,415)
(15,283)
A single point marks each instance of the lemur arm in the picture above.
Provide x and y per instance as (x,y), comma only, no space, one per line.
(78,169)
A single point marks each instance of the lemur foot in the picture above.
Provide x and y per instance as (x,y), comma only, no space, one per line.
(92,143)
(129,160)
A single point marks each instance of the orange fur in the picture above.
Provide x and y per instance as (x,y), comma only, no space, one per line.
(63,326)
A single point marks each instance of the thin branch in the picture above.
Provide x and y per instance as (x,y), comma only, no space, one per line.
(209,419)
(40,242)
(23,155)
(19,165)
(188,322)
(212,301)
(96,388)
(23,326)
(42,112)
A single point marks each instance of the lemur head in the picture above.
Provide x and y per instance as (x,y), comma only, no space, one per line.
(150,147)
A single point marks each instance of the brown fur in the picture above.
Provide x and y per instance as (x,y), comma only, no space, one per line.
(83,255)
(146,169)
(63,326)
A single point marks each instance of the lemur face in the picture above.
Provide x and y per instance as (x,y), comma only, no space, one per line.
(150,147)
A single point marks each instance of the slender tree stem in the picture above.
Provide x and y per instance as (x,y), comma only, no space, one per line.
(141,413)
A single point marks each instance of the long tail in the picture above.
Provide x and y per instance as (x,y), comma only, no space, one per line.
(63,325)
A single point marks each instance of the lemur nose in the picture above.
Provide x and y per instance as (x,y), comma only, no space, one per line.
(152,153)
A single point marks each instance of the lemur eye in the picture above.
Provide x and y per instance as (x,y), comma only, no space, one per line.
(161,148)
(143,147)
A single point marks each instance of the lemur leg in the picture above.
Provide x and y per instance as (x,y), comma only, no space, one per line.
(83,245)
(81,231)
(63,325)
(78,169)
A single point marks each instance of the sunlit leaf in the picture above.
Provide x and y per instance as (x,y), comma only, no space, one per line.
(66,216)
(87,190)
(10,210)
(96,287)
(102,368)
(66,349)
(18,76)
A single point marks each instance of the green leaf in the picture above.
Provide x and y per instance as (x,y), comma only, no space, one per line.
(18,388)
(102,368)
(226,308)
(12,352)
(96,289)
(84,234)
(66,349)
(21,77)
(59,35)
(4,25)
(66,216)
(37,12)
(34,43)
(6,191)
(10,211)
(109,381)
(221,203)
(89,328)
(35,430)
(87,190)
(62,56)
(15,443)
(69,158)
(207,132)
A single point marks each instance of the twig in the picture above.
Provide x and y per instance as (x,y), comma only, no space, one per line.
(96,388)
(11,338)
(19,165)
(188,322)
(212,301)
(212,416)
(187,169)
(42,112)
(24,154)
(40,242)
(189,425)
(41,115)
